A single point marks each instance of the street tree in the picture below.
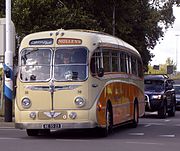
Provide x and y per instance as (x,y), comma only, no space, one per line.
(139,22)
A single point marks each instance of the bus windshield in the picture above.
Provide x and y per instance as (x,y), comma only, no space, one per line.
(70,64)
(35,64)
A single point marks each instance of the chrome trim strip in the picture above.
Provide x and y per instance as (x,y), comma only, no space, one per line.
(56,88)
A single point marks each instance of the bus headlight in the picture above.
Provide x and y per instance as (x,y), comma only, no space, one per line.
(79,101)
(26,103)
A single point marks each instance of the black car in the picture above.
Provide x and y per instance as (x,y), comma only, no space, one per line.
(160,95)
(177,90)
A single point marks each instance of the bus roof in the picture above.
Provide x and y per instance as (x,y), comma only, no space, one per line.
(89,36)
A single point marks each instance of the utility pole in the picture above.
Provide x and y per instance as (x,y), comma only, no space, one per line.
(8,66)
(177,35)
(113,22)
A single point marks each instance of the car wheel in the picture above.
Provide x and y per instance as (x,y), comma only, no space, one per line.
(173,110)
(162,111)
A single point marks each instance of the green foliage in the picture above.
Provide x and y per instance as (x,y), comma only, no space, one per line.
(1,71)
(2,8)
(162,70)
(39,15)
(162,67)
(176,76)
(139,22)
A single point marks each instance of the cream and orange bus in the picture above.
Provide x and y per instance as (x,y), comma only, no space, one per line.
(100,87)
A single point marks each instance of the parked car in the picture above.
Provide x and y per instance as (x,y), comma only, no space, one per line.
(160,95)
(177,90)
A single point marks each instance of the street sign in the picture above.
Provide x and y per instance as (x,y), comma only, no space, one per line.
(170,69)
(156,67)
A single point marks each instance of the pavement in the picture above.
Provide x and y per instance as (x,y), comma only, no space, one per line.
(4,124)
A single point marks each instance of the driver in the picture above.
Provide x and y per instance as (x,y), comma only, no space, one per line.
(66,59)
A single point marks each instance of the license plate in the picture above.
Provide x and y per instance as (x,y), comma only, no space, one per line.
(51,126)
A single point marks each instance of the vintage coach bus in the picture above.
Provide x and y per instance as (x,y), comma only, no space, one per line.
(71,79)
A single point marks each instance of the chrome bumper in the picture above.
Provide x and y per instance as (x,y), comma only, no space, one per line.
(63,125)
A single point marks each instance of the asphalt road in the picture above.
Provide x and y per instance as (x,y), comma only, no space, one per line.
(152,134)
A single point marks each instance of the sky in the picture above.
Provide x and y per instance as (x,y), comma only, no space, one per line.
(170,45)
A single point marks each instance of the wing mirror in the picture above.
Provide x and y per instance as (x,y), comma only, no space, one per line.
(100,72)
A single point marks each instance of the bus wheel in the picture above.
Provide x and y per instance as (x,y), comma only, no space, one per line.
(109,123)
(32,132)
(135,115)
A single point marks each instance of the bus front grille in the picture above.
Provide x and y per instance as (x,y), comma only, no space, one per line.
(47,115)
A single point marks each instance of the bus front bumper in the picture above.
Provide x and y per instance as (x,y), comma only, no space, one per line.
(55,126)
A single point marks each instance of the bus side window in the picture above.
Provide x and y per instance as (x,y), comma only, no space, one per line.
(134,65)
(115,62)
(96,63)
(128,64)
(106,61)
(123,62)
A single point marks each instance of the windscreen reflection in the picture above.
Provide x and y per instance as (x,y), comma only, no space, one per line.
(35,65)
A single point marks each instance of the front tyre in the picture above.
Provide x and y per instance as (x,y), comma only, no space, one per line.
(109,123)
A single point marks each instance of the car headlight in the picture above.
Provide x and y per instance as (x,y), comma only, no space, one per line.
(79,101)
(26,103)
(156,97)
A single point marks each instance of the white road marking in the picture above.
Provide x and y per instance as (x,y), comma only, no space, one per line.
(9,138)
(147,125)
(72,140)
(137,134)
(168,136)
(156,124)
(145,143)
